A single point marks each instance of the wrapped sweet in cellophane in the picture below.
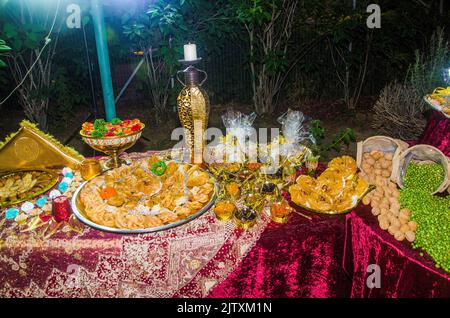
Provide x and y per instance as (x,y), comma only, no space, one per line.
(295,137)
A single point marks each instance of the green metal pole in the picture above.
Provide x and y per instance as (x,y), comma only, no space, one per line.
(103,59)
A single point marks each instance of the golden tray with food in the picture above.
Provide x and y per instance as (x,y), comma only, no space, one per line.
(21,185)
(337,190)
(148,195)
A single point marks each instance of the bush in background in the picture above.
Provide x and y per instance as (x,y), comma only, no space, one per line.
(398,112)
(426,72)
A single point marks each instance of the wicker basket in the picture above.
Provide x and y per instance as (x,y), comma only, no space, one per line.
(421,154)
(380,143)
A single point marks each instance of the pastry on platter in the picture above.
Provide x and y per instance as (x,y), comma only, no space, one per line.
(23,185)
(148,193)
(336,190)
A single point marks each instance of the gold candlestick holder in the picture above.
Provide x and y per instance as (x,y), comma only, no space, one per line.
(193,109)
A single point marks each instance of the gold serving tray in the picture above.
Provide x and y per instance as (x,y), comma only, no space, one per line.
(33,194)
(333,212)
(78,210)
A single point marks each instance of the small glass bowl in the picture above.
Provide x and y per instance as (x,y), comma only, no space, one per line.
(245,218)
(280,218)
(224,215)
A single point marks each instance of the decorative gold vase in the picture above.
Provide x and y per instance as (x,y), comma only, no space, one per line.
(193,111)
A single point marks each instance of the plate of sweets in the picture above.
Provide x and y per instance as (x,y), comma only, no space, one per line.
(336,190)
(21,185)
(113,137)
(116,128)
(149,195)
(440,100)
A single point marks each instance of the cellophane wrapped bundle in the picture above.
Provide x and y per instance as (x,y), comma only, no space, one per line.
(295,135)
(240,139)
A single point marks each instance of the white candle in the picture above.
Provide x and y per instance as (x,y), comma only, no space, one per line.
(190,52)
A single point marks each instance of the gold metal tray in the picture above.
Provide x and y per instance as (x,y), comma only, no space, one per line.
(332,212)
(77,208)
(30,194)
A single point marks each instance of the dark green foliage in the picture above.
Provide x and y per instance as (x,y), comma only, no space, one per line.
(425,74)
(67,95)
(214,26)
(23,37)
(3,49)
(165,26)
(343,138)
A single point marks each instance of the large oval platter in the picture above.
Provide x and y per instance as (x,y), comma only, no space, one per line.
(79,212)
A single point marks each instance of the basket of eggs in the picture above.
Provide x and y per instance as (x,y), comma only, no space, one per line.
(112,138)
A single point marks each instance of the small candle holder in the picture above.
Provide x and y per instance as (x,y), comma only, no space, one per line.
(270,191)
(254,201)
(245,218)
(224,210)
(268,187)
(280,212)
(90,168)
(61,209)
(190,62)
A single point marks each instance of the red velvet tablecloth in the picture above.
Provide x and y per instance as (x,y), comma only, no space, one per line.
(437,132)
(186,261)
(301,258)
(404,273)
(324,257)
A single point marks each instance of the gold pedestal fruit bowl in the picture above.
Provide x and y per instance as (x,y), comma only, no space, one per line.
(112,146)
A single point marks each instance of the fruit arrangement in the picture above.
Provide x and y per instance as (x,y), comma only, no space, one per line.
(377,169)
(338,189)
(101,128)
(432,213)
